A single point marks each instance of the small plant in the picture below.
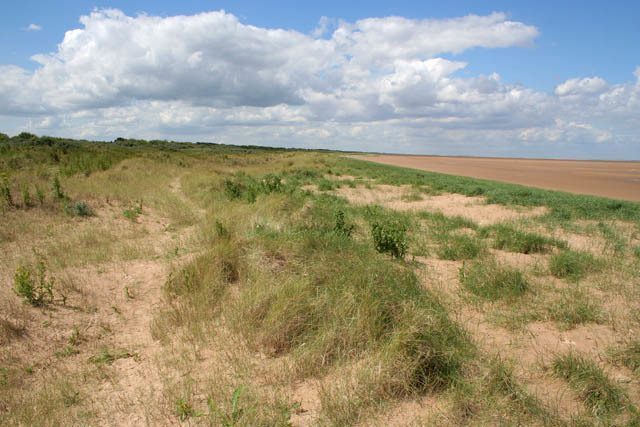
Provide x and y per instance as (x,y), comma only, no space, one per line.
(78,209)
(5,192)
(390,236)
(40,195)
(341,226)
(68,350)
(492,281)
(326,185)
(232,189)
(459,247)
(232,417)
(271,184)
(599,393)
(36,291)
(184,409)
(220,230)
(107,357)
(26,197)
(133,212)
(56,187)
(572,265)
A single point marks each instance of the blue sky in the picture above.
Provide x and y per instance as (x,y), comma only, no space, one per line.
(553,43)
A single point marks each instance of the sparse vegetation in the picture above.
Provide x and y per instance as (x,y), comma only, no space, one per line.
(286,303)
(598,392)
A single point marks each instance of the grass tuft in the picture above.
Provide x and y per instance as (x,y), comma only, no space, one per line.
(510,239)
(573,265)
(492,281)
(598,392)
(459,247)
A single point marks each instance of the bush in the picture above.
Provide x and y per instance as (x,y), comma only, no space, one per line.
(271,184)
(79,209)
(492,281)
(36,291)
(573,265)
(390,236)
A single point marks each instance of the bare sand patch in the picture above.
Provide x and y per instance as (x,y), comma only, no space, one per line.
(473,208)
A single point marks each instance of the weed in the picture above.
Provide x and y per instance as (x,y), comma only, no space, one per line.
(572,265)
(232,417)
(36,291)
(78,209)
(107,356)
(341,226)
(390,236)
(56,188)
(67,351)
(5,192)
(132,213)
(70,396)
(184,409)
(492,281)
(40,195)
(220,230)
(26,197)
(459,247)
(599,393)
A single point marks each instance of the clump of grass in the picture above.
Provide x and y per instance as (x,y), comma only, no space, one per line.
(628,355)
(615,241)
(573,265)
(107,356)
(492,281)
(233,416)
(326,185)
(459,247)
(510,239)
(598,392)
(5,192)
(26,197)
(390,236)
(575,308)
(34,285)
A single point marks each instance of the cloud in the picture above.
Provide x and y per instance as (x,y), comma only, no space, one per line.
(377,82)
(33,27)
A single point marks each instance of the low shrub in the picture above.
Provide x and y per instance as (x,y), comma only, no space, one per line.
(390,236)
(79,209)
(33,285)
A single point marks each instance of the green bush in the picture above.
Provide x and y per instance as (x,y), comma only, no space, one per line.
(37,290)
(271,184)
(573,265)
(493,281)
(390,236)
(79,209)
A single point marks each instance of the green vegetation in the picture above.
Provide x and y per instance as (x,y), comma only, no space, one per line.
(598,392)
(573,265)
(508,238)
(492,281)
(285,301)
(34,285)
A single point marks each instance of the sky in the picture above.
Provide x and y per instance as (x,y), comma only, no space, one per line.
(555,79)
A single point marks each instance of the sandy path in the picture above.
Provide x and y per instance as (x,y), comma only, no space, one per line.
(618,180)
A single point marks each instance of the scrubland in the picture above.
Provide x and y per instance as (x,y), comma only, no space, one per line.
(162,283)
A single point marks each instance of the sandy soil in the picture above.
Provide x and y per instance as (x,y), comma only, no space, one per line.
(618,180)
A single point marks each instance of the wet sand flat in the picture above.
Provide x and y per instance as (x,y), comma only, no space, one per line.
(617,180)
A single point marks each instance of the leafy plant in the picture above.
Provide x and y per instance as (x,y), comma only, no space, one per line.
(79,209)
(232,417)
(341,226)
(57,189)
(36,291)
(184,409)
(390,236)
(133,212)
